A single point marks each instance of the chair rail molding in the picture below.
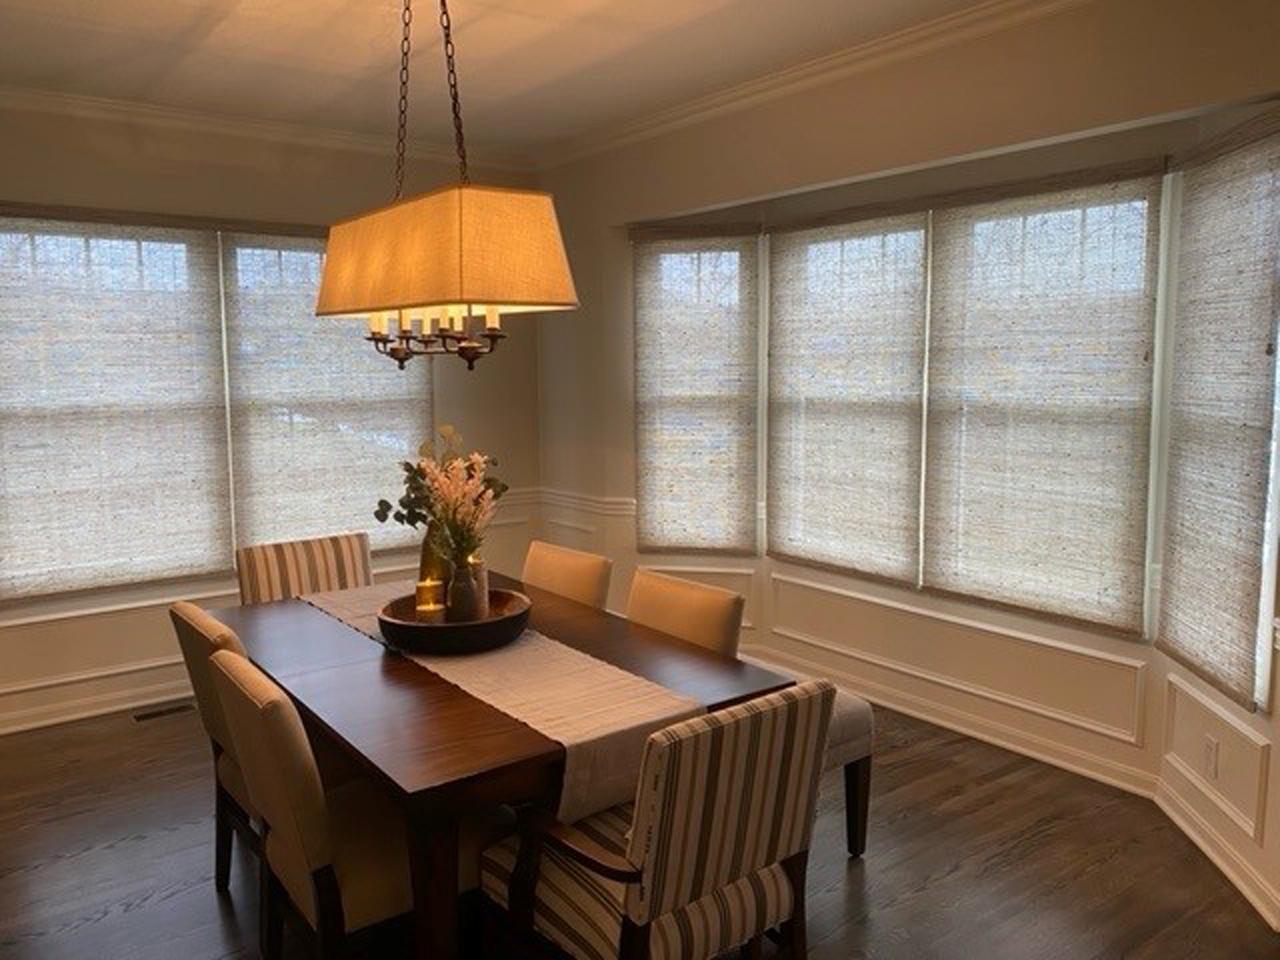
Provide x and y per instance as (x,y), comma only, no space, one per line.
(587,503)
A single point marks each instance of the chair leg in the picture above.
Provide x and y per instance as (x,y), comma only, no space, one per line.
(331,927)
(634,941)
(495,942)
(270,914)
(222,832)
(857,804)
(794,932)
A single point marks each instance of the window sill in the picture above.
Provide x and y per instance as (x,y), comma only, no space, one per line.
(140,596)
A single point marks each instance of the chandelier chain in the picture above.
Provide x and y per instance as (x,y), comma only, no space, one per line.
(406,20)
(447,27)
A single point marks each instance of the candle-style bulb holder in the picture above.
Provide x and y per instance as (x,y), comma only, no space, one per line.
(402,346)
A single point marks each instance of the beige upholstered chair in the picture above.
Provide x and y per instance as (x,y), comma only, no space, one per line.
(201,636)
(277,571)
(848,746)
(336,860)
(695,612)
(712,854)
(574,574)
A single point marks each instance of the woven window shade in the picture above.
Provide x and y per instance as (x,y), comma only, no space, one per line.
(1222,392)
(846,352)
(318,424)
(112,426)
(1039,401)
(696,381)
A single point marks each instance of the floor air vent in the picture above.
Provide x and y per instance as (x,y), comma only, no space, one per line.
(162,712)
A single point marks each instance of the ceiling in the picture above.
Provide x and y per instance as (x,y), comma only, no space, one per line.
(533,73)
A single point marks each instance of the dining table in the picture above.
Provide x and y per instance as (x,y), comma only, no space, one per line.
(439,751)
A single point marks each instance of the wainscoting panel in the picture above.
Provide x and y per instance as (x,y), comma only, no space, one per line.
(117,652)
(977,721)
(570,532)
(1217,755)
(1089,689)
(91,693)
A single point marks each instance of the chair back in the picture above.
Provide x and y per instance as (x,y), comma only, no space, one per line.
(724,795)
(278,571)
(574,574)
(695,612)
(201,636)
(280,772)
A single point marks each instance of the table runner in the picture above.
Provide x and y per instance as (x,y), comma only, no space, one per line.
(601,714)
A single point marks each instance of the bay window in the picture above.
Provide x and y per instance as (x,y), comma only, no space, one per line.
(1032,398)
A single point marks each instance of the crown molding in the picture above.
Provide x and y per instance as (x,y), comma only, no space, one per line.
(172,118)
(971,23)
(982,19)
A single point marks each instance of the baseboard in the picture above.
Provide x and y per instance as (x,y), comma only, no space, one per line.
(1125,777)
(91,693)
(1262,895)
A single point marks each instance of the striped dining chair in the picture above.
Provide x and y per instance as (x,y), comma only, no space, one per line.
(711,856)
(200,636)
(278,571)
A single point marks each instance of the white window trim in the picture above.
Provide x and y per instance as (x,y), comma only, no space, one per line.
(924,397)
(226,387)
(1162,360)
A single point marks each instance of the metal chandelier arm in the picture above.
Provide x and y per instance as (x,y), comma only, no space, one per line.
(405,345)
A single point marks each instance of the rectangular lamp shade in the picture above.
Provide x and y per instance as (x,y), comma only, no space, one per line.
(457,246)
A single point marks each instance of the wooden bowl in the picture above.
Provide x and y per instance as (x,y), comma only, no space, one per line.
(403,629)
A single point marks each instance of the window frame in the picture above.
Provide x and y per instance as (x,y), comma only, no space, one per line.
(34,608)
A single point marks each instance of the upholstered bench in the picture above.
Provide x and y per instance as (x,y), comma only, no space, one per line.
(848,746)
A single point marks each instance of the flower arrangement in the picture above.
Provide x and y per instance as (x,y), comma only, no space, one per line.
(454,496)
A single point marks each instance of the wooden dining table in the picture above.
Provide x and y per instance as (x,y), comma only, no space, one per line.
(440,751)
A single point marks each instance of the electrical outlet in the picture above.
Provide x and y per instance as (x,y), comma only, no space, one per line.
(1210,757)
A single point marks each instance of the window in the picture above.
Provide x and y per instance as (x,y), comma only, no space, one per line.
(318,421)
(144,432)
(1022,340)
(1040,365)
(846,361)
(696,408)
(1216,603)
(112,433)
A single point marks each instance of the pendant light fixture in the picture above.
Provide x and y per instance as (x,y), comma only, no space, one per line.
(434,274)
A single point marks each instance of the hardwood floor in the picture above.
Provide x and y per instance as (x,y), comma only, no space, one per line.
(973,852)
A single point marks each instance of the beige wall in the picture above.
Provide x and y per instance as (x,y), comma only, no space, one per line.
(1111,709)
(56,660)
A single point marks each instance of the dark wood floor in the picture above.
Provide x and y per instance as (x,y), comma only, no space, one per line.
(974,852)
